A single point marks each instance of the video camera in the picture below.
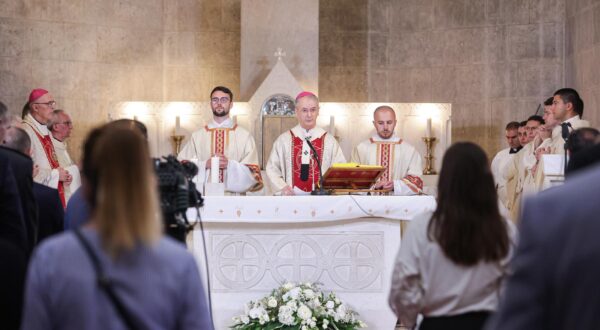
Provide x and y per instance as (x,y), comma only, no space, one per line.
(177,193)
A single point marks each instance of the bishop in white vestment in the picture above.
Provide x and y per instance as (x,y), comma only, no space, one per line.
(402,161)
(238,161)
(292,168)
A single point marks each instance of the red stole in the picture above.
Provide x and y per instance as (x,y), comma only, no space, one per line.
(385,157)
(313,173)
(219,140)
(52,159)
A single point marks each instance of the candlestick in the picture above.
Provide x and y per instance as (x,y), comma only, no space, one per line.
(332,125)
(428,170)
(177,139)
(428,131)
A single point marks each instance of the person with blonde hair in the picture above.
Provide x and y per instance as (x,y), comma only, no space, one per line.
(118,271)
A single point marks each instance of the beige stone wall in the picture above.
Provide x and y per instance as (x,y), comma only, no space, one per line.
(494,60)
(583,54)
(93,53)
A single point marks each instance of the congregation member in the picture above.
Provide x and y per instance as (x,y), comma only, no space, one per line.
(235,147)
(78,210)
(518,172)
(60,126)
(22,168)
(292,168)
(503,157)
(118,271)
(584,150)
(50,211)
(36,115)
(452,261)
(13,236)
(401,160)
(554,284)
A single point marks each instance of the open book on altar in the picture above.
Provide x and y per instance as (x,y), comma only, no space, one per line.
(349,177)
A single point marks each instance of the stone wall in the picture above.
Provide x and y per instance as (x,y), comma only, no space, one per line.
(583,54)
(93,53)
(494,60)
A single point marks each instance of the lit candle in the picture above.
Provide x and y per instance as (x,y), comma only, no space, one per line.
(177,125)
(428,131)
(332,125)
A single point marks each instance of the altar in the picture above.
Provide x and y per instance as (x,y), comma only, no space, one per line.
(346,243)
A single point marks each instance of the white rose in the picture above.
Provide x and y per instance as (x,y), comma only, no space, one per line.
(304,312)
(272,302)
(309,294)
(285,315)
(288,286)
(256,312)
(245,319)
(340,312)
(330,304)
(316,302)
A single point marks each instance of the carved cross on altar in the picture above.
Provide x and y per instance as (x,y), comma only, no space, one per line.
(279,53)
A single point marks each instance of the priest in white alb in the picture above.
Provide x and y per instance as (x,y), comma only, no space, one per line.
(223,151)
(292,168)
(402,162)
(503,157)
(60,126)
(36,115)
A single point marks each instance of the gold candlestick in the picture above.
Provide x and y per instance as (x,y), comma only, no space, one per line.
(429,141)
(177,139)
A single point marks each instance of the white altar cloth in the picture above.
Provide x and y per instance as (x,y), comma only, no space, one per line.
(347,243)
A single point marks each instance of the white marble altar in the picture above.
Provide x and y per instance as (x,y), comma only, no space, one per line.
(347,243)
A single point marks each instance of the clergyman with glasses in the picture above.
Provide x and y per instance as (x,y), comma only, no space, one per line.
(36,115)
(60,126)
(234,146)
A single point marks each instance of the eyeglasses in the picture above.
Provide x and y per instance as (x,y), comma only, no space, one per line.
(50,104)
(216,100)
(68,123)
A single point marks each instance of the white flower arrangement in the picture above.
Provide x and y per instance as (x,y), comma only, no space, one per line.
(298,307)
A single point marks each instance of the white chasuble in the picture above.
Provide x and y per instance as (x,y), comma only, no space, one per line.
(402,162)
(284,167)
(242,173)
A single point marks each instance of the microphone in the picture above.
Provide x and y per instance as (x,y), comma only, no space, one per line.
(321,190)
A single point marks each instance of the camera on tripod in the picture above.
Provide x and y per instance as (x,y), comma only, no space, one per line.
(177,193)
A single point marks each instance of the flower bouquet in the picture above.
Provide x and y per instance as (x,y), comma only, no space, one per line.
(298,306)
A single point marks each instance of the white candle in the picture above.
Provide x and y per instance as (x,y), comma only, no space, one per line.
(234,119)
(428,131)
(177,125)
(214,169)
(135,117)
(332,125)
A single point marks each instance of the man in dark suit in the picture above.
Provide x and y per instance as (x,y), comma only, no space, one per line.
(49,206)
(556,279)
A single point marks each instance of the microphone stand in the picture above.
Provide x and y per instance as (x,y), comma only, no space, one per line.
(321,190)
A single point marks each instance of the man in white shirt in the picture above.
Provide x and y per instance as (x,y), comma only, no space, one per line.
(36,115)
(292,168)
(234,146)
(503,157)
(60,126)
(402,161)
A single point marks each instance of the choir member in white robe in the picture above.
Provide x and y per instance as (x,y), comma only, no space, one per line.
(402,161)
(234,146)
(503,157)
(567,109)
(36,115)
(60,126)
(292,169)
